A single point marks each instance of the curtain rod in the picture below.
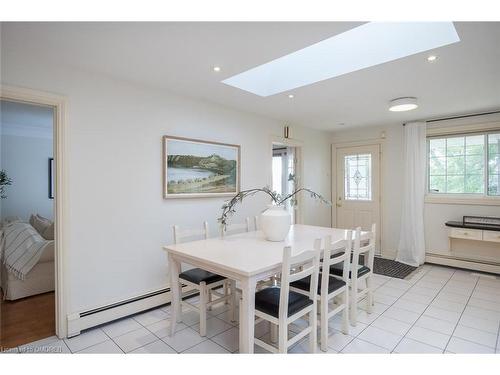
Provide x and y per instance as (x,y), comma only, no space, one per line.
(461,116)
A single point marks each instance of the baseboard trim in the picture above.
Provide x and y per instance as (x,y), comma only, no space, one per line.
(83,320)
(462,263)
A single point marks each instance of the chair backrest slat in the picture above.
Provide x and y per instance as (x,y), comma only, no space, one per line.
(336,252)
(308,262)
(180,235)
(331,256)
(235,228)
(304,272)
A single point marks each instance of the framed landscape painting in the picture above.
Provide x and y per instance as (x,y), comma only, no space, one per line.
(196,168)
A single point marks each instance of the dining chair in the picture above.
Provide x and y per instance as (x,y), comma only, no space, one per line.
(230,286)
(235,228)
(332,289)
(361,273)
(273,279)
(256,221)
(205,282)
(281,306)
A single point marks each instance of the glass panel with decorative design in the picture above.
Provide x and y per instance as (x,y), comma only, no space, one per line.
(357,179)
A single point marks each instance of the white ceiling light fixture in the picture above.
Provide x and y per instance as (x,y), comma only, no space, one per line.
(403,104)
(432,58)
(291,96)
(364,46)
(216,69)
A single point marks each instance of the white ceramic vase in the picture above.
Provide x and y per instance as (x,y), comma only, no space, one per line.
(275,223)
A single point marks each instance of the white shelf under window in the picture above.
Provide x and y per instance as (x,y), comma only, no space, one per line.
(480,200)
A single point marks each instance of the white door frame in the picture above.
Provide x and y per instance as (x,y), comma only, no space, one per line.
(289,142)
(367,142)
(59,104)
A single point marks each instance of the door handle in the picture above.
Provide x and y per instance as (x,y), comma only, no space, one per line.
(339,202)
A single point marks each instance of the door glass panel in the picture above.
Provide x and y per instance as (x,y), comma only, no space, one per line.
(357,178)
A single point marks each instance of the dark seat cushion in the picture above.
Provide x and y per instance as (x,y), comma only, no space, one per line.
(338,269)
(305,284)
(268,301)
(197,275)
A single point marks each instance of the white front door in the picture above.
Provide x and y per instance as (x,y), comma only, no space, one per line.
(358,188)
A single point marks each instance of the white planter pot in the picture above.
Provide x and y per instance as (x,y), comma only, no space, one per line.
(275,223)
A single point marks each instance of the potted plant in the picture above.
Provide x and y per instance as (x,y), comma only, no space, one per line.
(4,181)
(275,220)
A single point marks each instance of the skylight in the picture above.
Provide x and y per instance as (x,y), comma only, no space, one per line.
(359,48)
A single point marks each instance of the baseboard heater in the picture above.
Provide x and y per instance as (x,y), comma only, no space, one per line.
(91,318)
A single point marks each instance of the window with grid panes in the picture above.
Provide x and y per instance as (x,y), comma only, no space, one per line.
(467,164)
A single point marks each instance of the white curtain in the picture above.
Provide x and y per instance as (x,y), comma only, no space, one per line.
(411,249)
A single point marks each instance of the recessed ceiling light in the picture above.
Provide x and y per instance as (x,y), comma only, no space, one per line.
(291,96)
(368,45)
(403,104)
(216,68)
(432,58)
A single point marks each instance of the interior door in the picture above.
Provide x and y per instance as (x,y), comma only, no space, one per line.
(358,188)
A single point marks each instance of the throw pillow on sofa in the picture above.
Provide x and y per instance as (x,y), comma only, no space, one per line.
(40,223)
(48,233)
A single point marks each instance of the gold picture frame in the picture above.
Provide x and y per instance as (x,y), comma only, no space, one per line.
(196,168)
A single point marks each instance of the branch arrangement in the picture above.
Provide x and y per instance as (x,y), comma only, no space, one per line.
(228,208)
(4,181)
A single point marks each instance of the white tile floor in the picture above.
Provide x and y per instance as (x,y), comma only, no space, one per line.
(437,310)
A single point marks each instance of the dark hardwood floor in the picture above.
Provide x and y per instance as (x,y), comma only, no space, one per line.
(26,320)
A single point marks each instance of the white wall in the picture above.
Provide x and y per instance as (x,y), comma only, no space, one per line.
(26,161)
(392,167)
(118,220)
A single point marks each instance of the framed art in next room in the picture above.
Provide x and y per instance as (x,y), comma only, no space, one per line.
(51,178)
(198,168)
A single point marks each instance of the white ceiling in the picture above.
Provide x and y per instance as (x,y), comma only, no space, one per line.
(180,56)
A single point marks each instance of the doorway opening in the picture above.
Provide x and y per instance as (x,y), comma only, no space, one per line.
(27,223)
(285,174)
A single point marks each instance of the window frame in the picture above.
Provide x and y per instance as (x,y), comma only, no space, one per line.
(461,198)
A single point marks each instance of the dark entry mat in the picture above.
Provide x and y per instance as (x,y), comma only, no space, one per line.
(391,268)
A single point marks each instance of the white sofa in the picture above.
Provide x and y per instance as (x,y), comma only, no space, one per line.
(40,279)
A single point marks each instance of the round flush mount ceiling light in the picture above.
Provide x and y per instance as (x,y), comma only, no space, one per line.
(217,69)
(432,58)
(291,96)
(403,104)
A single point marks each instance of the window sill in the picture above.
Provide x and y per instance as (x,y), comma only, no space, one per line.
(447,199)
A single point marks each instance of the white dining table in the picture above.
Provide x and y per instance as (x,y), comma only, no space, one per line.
(248,258)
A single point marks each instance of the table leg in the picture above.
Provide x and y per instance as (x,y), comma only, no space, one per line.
(247,315)
(175,290)
(234,300)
